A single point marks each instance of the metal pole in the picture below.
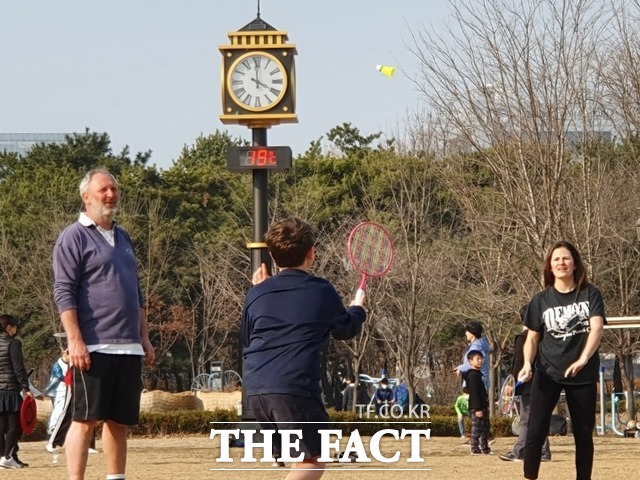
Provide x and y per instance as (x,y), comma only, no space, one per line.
(259,253)
(614,414)
(601,428)
(260,211)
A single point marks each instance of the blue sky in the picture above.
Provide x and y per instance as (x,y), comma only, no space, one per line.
(147,72)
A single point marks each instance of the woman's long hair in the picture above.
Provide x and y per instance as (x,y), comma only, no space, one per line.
(579,274)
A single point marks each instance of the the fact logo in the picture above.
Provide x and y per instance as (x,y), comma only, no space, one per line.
(330,443)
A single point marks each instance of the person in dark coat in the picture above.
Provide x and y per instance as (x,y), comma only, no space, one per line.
(14,383)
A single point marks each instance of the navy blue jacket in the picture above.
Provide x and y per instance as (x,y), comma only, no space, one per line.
(286,322)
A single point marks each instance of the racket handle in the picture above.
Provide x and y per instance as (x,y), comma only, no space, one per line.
(359,295)
(520,381)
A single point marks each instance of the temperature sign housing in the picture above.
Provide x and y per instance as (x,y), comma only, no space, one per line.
(242,159)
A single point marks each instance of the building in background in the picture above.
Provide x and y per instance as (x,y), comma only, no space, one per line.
(21,143)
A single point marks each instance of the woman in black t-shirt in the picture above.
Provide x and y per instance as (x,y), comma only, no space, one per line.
(565,322)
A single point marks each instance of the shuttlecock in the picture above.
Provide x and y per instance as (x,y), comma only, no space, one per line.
(386,70)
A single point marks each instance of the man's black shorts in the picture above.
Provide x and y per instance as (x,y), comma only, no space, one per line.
(275,411)
(109,390)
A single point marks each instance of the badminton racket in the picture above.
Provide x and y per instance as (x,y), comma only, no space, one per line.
(371,253)
(508,394)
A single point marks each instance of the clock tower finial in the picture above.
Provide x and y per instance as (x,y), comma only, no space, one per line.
(258,8)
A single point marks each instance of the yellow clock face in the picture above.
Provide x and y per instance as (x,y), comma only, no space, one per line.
(257,81)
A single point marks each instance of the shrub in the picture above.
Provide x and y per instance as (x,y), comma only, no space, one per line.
(198,422)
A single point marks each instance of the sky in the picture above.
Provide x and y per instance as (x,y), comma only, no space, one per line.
(147,72)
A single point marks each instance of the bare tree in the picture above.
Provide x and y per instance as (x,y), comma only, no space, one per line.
(404,195)
(217,307)
(514,79)
(531,89)
(332,263)
(618,62)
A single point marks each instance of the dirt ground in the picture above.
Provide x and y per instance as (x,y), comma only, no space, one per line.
(193,458)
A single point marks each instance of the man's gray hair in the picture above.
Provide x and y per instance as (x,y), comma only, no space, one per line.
(84,183)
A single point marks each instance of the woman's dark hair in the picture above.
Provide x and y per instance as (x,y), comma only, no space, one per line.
(523,312)
(579,274)
(6,320)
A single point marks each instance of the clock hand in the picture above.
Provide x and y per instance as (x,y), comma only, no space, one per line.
(259,83)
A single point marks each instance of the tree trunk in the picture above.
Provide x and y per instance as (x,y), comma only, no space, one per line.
(356,381)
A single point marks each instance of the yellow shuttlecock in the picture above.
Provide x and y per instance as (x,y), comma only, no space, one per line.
(386,70)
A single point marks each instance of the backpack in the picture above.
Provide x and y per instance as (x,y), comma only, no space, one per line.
(558,425)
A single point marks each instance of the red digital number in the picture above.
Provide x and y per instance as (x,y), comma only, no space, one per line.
(262,157)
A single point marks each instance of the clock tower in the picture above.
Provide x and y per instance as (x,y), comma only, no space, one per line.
(258,88)
(258,83)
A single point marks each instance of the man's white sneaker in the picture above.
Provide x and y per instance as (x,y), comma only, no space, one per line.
(92,450)
(9,462)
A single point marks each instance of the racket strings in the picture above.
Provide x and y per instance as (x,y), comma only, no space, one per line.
(371,250)
(507,394)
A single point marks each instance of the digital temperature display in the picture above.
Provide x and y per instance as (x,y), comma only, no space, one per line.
(241,159)
(259,158)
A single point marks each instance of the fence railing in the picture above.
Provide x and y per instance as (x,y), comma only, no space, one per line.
(622,322)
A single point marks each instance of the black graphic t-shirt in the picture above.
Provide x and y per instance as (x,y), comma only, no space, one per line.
(562,319)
